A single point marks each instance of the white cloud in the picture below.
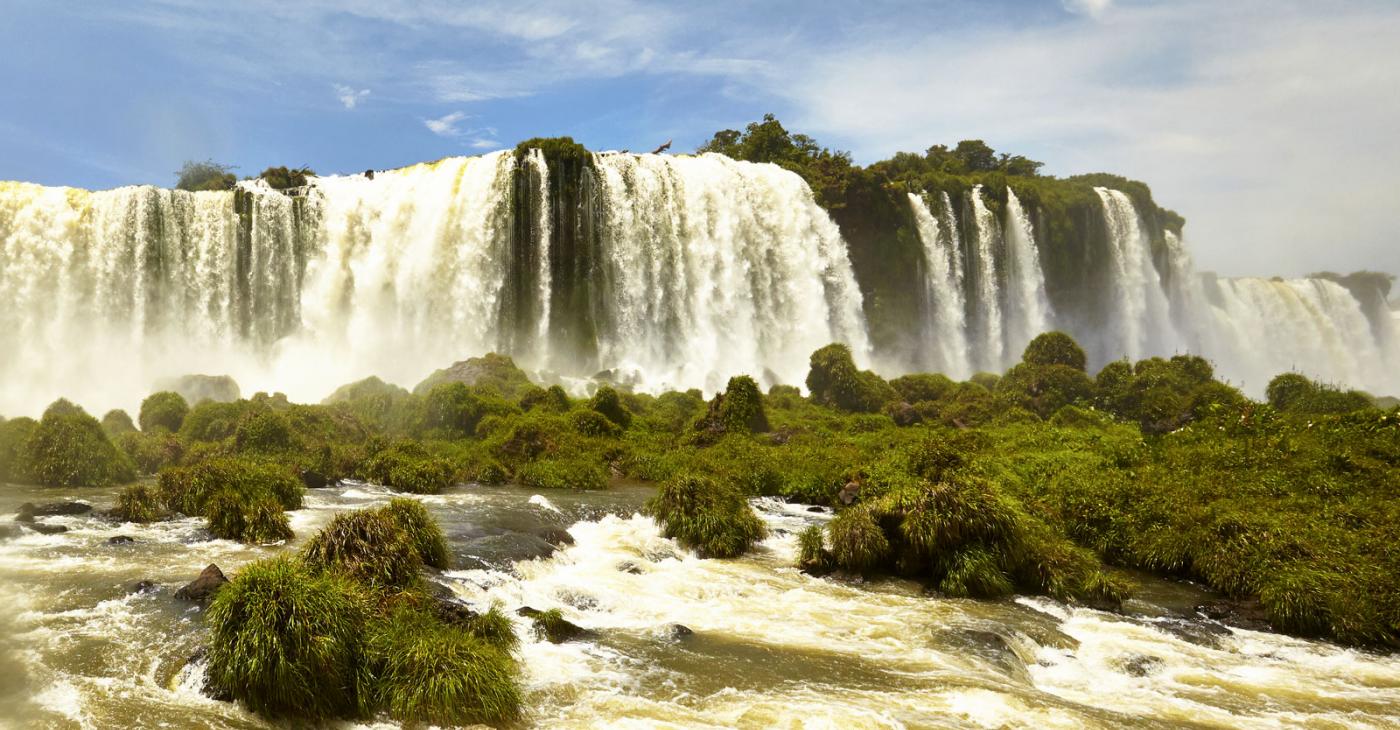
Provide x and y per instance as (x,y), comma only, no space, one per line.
(1091,8)
(348,96)
(446,125)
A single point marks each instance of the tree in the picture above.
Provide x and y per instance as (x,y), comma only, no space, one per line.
(976,156)
(281,178)
(207,175)
(828,173)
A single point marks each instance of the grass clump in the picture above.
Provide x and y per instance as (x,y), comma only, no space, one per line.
(242,499)
(139,503)
(68,448)
(562,474)
(286,640)
(408,467)
(164,410)
(423,531)
(706,516)
(371,546)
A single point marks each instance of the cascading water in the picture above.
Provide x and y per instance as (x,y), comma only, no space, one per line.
(1140,320)
(712,267)
(945,320)
(1028,309)
(987,317)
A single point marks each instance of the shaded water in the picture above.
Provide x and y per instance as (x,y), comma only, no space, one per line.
(771,647)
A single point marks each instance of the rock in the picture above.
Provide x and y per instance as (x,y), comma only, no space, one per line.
(9,531)
(553,628)
(143,586)
(314,479)
(816,509)
(1246,613)
(28,511)
(452,611)
(905,415)
(1141,665)
(627,566)
(196,388)
(679,631)
(44,529)
(556,536)
(369,174)
(210,580)
(849,492)
(121,540)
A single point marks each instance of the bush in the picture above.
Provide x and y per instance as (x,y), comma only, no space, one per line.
(427,672)
(741,409)
(286,641)
(14,458)
(1294,393)
(857,542)
(163,410)
(139,503)
(208,175)
(1044,389)
(552,399)
(833,380)
(607,402)
(68,448)
(811,548)
(151,452)
(592,423)
(922,387)
(211,421)
(562,474)
(1054,348)
(283,178)
(253,519)
(703,515)
(422,530)
(241,499)
(263,430)
(117,422)
(408,467)
(370,546)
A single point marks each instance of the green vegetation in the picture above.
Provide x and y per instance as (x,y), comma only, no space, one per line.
(283,178)
(68,448)
(1294,393)
(207,175)
(704,515)
(344,630)
(243,499)
(163,410)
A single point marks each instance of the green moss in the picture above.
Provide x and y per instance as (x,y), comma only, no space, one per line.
(706,516)
(286,640)
(607,402)
(163,410)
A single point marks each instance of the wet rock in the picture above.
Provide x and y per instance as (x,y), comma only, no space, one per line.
(44,529)
(1194,631)
(679,631)
(28,511)
(556,536)
(210,580)
(9,531)
(816,509)
(210,690)
(452,611)
(905,415)
(816,568)
(849,492)
(143,586)
(314,479)
(627,566)
(1141,665)
(121,540)
(998,649)
(552,627)
(1245,613)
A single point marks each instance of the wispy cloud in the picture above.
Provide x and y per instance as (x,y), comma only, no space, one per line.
(349,97)
(1092,8)
(446,125)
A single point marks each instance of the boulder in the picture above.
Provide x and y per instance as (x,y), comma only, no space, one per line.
(556,536)
(210,580)
(44,529)
(905,415)
(28,511)
(1141,665)
(452,611)
(553,628)
(121,540)
(143,586)
(849,493)
(1245,613)
(313,479)
(679,631)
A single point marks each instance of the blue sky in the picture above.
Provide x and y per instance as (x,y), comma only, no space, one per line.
(1269,125)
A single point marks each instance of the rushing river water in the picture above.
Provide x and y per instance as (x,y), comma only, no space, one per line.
(771,647)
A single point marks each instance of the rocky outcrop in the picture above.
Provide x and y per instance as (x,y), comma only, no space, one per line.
(29,511)
(210,580)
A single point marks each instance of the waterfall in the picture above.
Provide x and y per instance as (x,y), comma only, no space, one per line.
(982,269)
(704,268)
(1313,326)
(713,267)
(1140,317)
(1028,309)
(945,318)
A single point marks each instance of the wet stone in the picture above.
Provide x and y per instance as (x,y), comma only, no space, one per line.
(121,540)
(210,580)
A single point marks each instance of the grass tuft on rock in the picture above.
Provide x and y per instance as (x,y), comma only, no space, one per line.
(706,516)
(370,546)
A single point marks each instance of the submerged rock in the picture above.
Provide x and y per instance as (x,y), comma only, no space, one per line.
(679,631)
(28,511)
(143,586)
(210,580)
(121,540)
(1245,613)
(44,529)
(452,611)
(556,536)
(552,627)
(1141,665)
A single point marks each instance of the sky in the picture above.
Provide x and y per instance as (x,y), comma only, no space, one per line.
(1271,125)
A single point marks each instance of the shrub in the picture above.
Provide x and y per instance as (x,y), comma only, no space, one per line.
(408,467)
(592,423)
(117,422)
(562,474)
(741,408)
(1294,393)
(151,452)
(256,519)
(607,402)
(68,448)
(14,459)
(857,542)
(139,503)
(834,380)
(286,641)
(1044,389)
(552,399)
(811,548)
(165,410)
(427,672)
(263,430)
(422,530)
(1054,348)
(922,387)
(370,546)
(701,514)
(211,421)
(283,178)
